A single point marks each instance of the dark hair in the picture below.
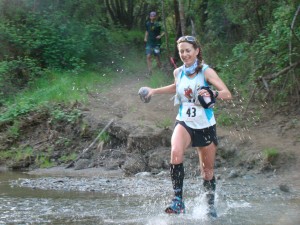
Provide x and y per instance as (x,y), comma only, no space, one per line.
(193,41)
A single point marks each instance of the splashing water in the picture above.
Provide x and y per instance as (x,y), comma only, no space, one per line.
(237,202)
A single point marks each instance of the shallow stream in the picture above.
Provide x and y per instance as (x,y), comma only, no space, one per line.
(237,203)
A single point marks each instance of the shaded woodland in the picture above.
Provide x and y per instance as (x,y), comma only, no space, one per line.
(253,44)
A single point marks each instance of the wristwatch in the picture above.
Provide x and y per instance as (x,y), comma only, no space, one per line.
(216,94)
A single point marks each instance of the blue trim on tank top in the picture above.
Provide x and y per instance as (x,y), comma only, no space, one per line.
(180,110)
(209,112)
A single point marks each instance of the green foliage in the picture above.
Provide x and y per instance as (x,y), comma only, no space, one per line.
(14,130)
(17,155)
(104,137)
(33,40)
(16,74)
(159,79)
(60,115)
(225,120)
(55,87)
(271,154)
(62,141)
(13,110)
(5,155)
(23,154)
(54,39)
(165,123)
(271,49)
(68,158)
(241,40)
(266,54)
(44,161)
(27,154)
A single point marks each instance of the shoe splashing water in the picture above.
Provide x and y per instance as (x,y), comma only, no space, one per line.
(177,206)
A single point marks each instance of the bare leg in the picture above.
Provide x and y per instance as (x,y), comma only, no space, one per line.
(149,63)
(207,156)
(158,61)
(180,141)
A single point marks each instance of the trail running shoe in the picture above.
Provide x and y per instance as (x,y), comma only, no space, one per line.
(211,211)
(176,207)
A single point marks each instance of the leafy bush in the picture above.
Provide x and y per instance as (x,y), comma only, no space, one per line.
(267,54)
(270,154)
(16,74)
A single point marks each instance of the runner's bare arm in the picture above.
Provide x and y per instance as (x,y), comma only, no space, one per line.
(146,36)
(170,89)
(212,77)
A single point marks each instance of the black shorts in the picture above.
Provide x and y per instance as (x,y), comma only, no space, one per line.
(201,137)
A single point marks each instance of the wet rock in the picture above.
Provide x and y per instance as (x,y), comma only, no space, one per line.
(134,164)
(112,165)
(22,163)
(158,159)
(284,188)
(233,174)
(226,150)
(111,159)
(82,164)
(140,139)
(248,177)
(143,174)
(162,174)
(148,139)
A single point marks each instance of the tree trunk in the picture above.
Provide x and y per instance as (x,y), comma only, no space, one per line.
(165,26)
(177,28)
(181,16)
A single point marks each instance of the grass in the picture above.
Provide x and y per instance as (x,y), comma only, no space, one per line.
(68,87)
(271,154)
(68,158)
(16,155)
(56,87)
(104,137)
(165,123)
(159,79)
(14,130)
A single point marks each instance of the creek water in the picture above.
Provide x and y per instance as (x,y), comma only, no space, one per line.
(23,205)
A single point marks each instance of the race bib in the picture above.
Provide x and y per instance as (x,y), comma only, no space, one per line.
(191,112)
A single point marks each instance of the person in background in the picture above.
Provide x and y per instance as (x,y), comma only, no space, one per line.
(195,122)
(152,39)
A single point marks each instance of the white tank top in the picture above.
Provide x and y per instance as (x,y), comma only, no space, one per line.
(190,110)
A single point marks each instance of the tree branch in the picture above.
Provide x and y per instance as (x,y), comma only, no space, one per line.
(91,145)
(275,75)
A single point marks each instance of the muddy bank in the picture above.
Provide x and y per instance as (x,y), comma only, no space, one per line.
(132,148)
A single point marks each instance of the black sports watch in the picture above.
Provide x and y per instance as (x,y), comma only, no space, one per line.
(216,94)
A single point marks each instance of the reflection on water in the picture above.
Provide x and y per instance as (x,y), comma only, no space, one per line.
(29,206)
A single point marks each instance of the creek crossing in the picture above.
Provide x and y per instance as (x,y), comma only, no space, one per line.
(45,199)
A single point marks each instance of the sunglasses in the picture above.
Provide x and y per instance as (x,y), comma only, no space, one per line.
(187,39)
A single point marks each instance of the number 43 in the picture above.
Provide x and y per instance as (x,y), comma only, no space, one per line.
(191,112)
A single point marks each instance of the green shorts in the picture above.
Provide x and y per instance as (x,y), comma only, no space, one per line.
(152,49)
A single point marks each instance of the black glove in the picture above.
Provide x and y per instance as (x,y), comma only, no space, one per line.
(207,102)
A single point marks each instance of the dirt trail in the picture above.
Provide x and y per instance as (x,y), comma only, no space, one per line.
(122,103)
